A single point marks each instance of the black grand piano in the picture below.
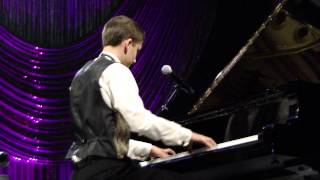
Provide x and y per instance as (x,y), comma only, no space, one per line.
(262,107)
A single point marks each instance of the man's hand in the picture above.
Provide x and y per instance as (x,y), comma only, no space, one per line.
(207,141)
(157,152)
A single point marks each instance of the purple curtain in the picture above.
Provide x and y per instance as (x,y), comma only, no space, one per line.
(42,45)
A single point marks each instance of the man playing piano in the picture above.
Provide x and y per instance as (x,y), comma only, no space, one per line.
(106,107)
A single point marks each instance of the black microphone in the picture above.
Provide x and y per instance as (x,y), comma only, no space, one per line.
(4,158)
(167,70)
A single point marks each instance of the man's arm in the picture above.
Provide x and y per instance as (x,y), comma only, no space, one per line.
(121,93)
(141,150)
(138,150)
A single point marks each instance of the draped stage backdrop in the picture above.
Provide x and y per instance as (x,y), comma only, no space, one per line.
(43,43)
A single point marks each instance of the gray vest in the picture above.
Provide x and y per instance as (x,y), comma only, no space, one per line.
(93,120)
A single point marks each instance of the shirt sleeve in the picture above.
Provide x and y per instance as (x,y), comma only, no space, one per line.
(139,150)
(120,91)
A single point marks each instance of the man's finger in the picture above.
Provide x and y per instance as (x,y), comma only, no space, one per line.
(170,151)
(209,142)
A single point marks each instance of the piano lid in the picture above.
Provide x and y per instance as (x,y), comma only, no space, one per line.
(284,49)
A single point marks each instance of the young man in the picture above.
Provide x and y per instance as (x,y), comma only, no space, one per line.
(106,107)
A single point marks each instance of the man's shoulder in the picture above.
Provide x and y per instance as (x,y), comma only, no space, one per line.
(117,72)
(118,67)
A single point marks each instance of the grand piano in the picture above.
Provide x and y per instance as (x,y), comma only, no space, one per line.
(262,107)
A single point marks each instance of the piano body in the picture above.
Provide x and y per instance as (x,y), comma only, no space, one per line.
(262,107)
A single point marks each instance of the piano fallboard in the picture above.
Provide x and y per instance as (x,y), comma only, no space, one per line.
(221,147)
(252,157)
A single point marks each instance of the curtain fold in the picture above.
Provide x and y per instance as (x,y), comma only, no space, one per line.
(43,44)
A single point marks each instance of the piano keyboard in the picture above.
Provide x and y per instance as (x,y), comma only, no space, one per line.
(186,154)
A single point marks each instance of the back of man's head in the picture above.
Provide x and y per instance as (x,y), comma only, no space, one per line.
(119,28)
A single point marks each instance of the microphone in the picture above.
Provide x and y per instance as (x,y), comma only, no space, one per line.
(167,70)
(3,159)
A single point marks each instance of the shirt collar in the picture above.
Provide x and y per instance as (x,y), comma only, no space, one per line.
(116,59)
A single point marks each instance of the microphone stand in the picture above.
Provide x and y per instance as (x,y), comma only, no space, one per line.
(174,93)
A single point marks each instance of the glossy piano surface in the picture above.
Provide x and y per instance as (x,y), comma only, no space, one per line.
(282,50)
(238,143)
(254,157)
(273,79)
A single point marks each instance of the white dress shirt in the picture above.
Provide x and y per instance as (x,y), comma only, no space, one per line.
(120,92)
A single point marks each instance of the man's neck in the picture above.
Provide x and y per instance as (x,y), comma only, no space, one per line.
(114,51)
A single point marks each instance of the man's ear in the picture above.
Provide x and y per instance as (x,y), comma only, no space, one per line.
(127,42)
(125,49)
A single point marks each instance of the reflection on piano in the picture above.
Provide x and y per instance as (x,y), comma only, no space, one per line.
(260,156)
(201,151)
(263,101)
